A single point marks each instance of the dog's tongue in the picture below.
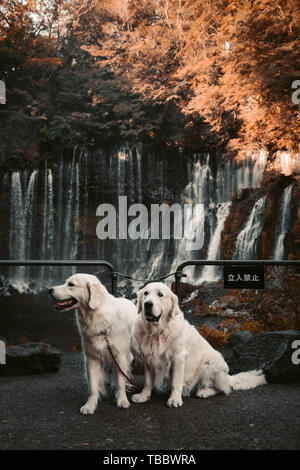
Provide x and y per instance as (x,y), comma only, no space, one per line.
(65,302)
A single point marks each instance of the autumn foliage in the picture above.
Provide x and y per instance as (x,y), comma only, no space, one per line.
(222,68)
(227,65)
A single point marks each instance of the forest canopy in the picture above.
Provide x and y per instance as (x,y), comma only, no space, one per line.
(215,72)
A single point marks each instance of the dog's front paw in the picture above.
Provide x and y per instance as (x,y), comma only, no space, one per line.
(123,402)
(140,397)
(174,402)
(88,408)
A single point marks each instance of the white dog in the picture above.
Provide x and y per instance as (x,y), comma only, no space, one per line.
(176,356)
(100,312)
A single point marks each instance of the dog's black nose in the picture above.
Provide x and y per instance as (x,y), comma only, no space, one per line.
(148,305)
(50,290)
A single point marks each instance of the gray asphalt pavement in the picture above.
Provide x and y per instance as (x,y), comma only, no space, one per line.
(42,412)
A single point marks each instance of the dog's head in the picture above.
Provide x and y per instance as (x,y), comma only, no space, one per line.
(158,303)
(83,291)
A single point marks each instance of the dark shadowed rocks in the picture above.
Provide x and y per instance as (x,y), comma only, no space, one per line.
(30,358)
(273,351)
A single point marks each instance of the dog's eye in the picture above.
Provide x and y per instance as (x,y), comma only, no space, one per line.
(160,294)
(70,284)
(145,293)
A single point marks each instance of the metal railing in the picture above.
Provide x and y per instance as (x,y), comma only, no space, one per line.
(222,262)
(178,273)
(98,263)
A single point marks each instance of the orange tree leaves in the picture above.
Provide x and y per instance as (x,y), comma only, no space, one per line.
(230,62)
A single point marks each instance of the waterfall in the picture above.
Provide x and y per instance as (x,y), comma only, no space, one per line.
(53,209)
(68,211)
(285,163)
(210,273)
(139,175)
(29,202)
(284,222)
(47,245)
(59,192)
(74,249)
(44,229)
(21,215)
(50,219)
(196,192)
(215,194)
(17,227)
(259,166)
(85,203)
(248,238)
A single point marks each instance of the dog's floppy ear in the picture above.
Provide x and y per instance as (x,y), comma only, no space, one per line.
(175,310)
(139,301)
(94,289)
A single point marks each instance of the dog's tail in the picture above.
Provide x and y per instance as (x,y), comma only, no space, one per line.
(247,380)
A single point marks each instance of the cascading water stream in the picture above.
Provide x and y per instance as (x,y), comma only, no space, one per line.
(29,202)
(210,273)
(21,216)
(17,224)
(74,249)
(248,238)
(215,194)
(284,222)
(47,247)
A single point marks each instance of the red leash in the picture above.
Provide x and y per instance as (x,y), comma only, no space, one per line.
(115,362)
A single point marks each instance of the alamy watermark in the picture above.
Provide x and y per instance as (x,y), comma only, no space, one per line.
(163,222)
(2,92)
(2,352)
(296,94)
(296,354)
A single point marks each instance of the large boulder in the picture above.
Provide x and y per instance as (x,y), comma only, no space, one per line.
(285,366)
(271,351)
(30,358)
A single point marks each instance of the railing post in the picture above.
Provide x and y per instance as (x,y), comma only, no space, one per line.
(114,278)
(178,275)
(298,317)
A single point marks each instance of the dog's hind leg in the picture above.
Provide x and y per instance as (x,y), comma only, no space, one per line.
(206,392)
(96,384)
(221,382)
(218,384)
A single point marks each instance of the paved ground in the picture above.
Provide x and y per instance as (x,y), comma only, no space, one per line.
(42,412)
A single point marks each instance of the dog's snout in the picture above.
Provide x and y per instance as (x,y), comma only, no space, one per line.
(148,305)
(50,290)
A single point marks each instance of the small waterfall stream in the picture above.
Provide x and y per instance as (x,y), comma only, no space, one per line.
(285,213)
(211,273)
(17,227)
(248,239)
(21,206)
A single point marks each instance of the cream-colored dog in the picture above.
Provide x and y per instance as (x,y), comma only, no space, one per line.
(99,311)
(176,356)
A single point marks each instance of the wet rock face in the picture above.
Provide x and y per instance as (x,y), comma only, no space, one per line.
(273,351)
(30,358)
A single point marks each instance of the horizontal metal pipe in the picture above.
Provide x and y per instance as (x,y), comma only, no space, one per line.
(63,262)
(229,262)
